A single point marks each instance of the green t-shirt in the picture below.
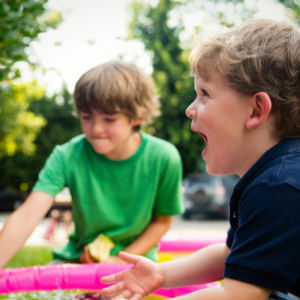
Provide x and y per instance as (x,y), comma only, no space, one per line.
(116,198)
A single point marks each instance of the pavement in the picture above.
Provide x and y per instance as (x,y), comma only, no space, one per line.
(199,226)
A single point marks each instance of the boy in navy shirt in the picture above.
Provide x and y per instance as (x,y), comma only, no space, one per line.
(247,109)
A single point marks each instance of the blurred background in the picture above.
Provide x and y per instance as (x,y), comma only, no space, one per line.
(45,46)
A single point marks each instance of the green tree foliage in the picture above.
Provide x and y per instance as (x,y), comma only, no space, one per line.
(171,70)
(20,172)
(293,9)
(18,126)
(171,74)
(20,22)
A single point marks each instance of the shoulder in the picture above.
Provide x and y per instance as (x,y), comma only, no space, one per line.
(271,200)
(275,189)
(289,173)
(70,148)
(282,173)
(74,143)
(160,148)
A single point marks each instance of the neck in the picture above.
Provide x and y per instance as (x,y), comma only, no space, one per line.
(128,148)
(257,146)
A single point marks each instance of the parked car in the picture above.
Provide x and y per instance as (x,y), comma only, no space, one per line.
(207,194)
(9,201)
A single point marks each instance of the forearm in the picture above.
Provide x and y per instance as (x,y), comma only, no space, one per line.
(208,294)
(13,235)
(231,290)
(203,266)
(150,236)
(20,225)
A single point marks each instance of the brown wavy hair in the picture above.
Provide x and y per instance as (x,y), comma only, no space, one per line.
(257,56)
(117,87)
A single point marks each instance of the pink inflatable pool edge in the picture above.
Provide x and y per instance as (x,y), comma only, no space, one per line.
(174,242)
(87,276)
(71,277)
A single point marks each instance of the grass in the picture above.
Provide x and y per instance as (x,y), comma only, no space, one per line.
(31,256)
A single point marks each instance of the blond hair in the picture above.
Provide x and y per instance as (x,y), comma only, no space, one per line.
(117,87)
(258,56)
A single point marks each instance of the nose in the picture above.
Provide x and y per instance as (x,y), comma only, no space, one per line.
(97,127)
(191,111)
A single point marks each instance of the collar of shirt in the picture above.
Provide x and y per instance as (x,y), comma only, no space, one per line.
(281,149)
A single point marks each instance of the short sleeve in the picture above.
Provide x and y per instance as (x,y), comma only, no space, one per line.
(169,194)
(266,247)
(230,238)
(52,177)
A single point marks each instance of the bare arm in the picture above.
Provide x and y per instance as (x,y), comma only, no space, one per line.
(140,246)
(231,290)
(150,236)
(207,265)
(204,266)
(21,224)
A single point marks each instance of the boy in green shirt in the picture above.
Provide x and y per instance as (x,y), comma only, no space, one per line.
(124,183)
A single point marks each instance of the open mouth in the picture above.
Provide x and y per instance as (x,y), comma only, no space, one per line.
(203,135)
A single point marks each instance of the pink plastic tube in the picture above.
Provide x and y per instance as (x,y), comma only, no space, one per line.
(71,277)
(173,242)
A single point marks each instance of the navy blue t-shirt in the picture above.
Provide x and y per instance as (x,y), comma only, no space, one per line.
(264,236)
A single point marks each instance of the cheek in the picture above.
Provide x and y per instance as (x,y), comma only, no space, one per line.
(113,130)
(84,127)
(119,128)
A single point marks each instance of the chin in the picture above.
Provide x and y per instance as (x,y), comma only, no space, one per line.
(213,171)
(100,150)
(217,171)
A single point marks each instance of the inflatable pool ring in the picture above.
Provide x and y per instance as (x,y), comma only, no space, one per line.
(72,277)
(176,242)
(87,276)
(176,245)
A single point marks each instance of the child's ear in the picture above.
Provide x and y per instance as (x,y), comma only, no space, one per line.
(136,122)
(261,108)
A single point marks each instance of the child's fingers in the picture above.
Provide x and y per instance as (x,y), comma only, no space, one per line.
(112,278)
(129,258)
(127,294)
(88,258)
(136,297)
(84,258)
(119,287)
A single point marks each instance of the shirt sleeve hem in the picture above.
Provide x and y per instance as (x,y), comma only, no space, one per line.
(49,191)
(257,277)
(169,213)
(230,238)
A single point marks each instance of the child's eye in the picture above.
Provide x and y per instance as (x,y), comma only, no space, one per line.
(204,92)
(85,117)
(110,120)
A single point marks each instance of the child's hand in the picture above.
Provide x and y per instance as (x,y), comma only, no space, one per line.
(85,257)
(113,260)
(139,281)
